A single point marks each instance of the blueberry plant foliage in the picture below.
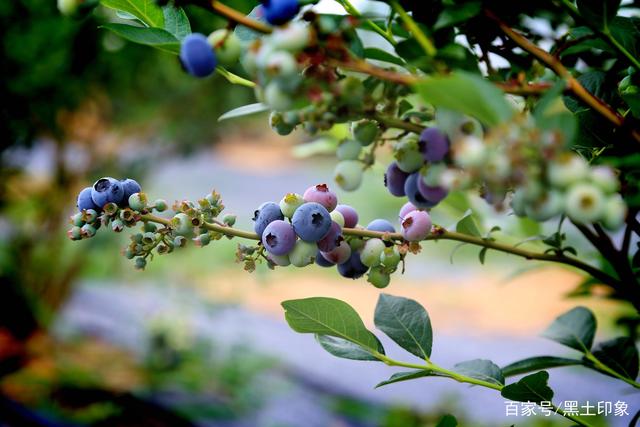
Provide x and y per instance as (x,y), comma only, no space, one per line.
(534,105)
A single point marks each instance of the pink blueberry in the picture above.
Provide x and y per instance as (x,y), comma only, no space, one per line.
(321,194)
(416,226)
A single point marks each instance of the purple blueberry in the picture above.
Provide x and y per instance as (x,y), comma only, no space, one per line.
(353,267)
(405,209)
(278,12)
(381,225)
(394,180)
(413,193)
(130,187)
(321,194)
(85,201)
(311,222)
(266,214)
(322,261)
(434,144)
(107,190)
(416,226)
(431,194)
(332,239)
(197,55)
(340,254)
(278,237)
(350,215)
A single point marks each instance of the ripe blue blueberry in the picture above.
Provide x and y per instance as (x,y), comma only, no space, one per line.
(430,193)
(394,180)
(353,268)
(107,190)
(332,239)
(278,12)
(130,186)
(413,193)
(85,201)
(197,56)
(349,214)
(311,221)
(266,214)
(381,225)
(278,237)
(433,144)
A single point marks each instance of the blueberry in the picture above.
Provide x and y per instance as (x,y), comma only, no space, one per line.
(378,278)
(107,190)
(337,217)
(197,56)
(370,255)
(322,261)
(226,45)
(290,203)
(413,193)
(350,215)
(431,194)
(390,257)
(381,225)
(278,237)
(321,194)
(338,255)
(353,268)
(585,203)
(349,149)
(405,209)
(348,174)
(394,180)
(280,260)
(311,221)
(266,213)
(365,131)
(130,187)
(433,144)
(278,12)
(615,212)
(85,201)
(137,201)
(416,226)
(303,253)
(407,154)
(332,239)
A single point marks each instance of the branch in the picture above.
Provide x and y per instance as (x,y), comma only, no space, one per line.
(239,17)
(573,84)
(438,234)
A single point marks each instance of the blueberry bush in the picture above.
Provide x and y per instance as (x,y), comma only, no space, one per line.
(533,105)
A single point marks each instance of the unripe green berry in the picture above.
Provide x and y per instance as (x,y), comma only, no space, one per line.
(469,152)
(280,260)
(281,64)
(567,169)
(277,123)
(150,227)
(160,205)
(390,257)
(303,253)
(349,149)
(202,240)
(585,203)
(148,238)
(276,98)
(365,131)
(68,7)
(605,178)
(337,217)
(370,255)
(138,201)
(407,154)
(229,220)
(77,220)
(75,233)
(181,223)
(87,231)
(136,238)
(356,244)
(348,174)
(117,225)
(294,37)
(129,254)
(378,278)
(290,203)
(549,206)
(179,242)
(226,45)
(615,212)
(164,248)
(89,216)
(140,263)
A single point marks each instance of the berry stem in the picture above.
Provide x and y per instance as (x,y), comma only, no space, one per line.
(234,78)
(573,85)
(439,234)
(239,17)
(414,29)
(393,122)
(351,10)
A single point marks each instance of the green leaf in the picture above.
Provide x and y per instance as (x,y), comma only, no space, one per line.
(329,316)
(406,322)
(382,55)
(619,354)
(467,225)
(176,22)
(598,12)
(245,34)
(458,13)
(481,369)
(156,37)
(147,11)
(482,255)
(406,376)
(576,329)
(346,349)
(536,363)
(532,388)
(447,421)
(245,110)
(466,93)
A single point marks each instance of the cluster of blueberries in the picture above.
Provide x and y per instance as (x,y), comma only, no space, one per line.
(107,190)
(406,176)
(314,232)
(200,55)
